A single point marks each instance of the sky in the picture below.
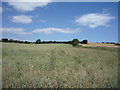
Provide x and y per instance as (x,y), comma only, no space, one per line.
(60,21)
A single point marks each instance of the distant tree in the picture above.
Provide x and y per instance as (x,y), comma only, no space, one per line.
(85,41)
(117,43)
(11,40)
(50,42)
(4,40)
(107,42)
(75,42)
(21,42)
(68,42)
(54,41)
(112,42)
(26,42)
(38,41)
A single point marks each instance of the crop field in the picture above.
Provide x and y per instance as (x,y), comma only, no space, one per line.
(58,65)
(99,45)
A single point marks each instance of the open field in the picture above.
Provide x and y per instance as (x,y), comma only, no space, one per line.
(99,45)
(58,65)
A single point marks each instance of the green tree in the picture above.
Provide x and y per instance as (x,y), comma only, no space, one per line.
(75,42)
(38,41)
(85,41)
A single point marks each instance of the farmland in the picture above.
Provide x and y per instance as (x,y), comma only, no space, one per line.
(58,65)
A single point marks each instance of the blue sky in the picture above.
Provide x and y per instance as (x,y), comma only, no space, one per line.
(96,22)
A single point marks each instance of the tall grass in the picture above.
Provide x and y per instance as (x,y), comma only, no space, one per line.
(112,49)
(58,65)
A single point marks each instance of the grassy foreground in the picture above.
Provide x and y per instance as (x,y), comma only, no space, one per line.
(58,65)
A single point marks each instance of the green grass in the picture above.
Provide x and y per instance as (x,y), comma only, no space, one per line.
(58,65)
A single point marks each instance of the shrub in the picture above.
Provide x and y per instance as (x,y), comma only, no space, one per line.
(75,42)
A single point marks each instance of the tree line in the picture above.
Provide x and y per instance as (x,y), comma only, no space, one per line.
(14,41)
(38,41)
(74,42)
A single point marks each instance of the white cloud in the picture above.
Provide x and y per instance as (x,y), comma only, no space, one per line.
(27,5)
(22,19)
(13,31)
(94,20)
(59,30)
(1,9)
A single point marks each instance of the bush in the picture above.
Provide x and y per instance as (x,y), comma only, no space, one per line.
(75,42)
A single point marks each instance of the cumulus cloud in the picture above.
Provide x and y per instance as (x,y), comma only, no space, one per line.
(22,19)
(13,31)
(59,30)
(27,5)
(94,20)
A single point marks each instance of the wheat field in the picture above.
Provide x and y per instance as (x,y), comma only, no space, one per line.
(58,65)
